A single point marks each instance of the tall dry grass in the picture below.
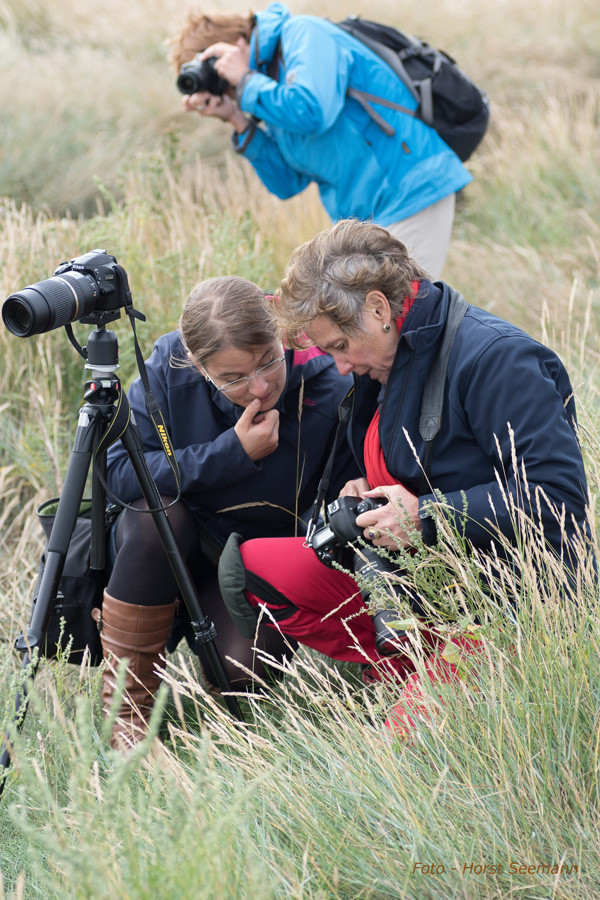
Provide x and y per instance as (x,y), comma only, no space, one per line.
(309,801)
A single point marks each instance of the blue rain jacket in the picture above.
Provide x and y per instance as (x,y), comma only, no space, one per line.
(508,405)
(216,472)
(313,132)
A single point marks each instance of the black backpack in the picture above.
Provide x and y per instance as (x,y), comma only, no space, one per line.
(448,100)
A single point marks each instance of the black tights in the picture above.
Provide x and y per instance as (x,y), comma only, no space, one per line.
(142,575)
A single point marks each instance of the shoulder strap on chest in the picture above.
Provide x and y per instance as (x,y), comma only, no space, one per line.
(432,405)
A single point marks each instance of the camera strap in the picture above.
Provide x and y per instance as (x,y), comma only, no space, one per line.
(344,413)
(432,405)
(154,411)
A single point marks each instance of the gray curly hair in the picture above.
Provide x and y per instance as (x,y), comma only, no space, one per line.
(332,274)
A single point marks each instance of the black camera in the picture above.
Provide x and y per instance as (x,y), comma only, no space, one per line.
(91,288)
(331,544)
(201,75)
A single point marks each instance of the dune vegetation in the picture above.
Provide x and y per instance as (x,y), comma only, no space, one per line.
(309,797)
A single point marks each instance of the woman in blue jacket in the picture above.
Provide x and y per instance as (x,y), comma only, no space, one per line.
(507,445)
(251,425)
(294,73)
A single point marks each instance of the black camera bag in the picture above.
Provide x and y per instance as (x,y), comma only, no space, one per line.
(448,100)
(71,630)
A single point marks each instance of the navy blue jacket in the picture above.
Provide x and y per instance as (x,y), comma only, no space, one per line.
(508,405)
(216,472)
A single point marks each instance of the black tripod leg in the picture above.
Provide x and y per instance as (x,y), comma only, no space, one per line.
(89,424)
(204,630)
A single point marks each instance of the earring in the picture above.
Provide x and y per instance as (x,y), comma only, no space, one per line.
(387,327)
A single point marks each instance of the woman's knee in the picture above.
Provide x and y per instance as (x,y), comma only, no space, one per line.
(137,531)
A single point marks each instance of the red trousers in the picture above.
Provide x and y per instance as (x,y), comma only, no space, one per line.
(331,616)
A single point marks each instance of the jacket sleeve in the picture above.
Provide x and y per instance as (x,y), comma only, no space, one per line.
(316,77)
(277,176)
(208,465)
(525,424)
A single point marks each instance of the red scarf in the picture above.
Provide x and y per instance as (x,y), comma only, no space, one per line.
(377,472)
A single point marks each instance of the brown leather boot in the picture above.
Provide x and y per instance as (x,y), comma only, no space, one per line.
(137,634)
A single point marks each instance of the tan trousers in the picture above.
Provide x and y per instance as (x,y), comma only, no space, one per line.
(426,235)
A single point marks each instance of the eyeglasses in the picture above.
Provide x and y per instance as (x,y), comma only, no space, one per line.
(241,383)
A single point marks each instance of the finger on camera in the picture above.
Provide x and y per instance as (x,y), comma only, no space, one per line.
(369,519)
(356,487)
(378,492)
(193,102)
(217,50)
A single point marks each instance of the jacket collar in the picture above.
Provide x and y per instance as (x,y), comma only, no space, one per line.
(424,323)
(266,34)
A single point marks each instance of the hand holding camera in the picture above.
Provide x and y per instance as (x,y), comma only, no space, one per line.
(332,545)
(230,61)
(208,82)
(397,510)
(398,513)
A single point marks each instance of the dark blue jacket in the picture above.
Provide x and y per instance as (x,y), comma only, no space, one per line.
(216,472)
(508,406)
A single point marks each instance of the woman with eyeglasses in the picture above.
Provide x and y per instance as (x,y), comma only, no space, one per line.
(251,425)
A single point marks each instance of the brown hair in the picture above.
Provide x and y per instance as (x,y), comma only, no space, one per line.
(225,312)
(332,274)
(200,30)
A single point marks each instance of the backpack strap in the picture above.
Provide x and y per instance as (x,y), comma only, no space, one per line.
(365,101)
(386,53)
(433,393)
(422,91)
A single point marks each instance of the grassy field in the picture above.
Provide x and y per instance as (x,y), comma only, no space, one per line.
(308,799)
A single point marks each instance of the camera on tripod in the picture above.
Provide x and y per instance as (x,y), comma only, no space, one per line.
(91,288)
(200,75)
(333,545)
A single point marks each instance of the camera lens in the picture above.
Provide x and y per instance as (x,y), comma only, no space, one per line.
(49,304)
(201,75)
(188,83)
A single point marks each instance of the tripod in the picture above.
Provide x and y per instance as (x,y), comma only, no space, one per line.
(104,418)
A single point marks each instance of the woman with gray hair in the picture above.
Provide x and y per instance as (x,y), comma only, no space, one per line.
(251,425)
(508,409)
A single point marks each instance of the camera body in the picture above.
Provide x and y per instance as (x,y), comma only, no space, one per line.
(91,288)
(200,75)
(330,543)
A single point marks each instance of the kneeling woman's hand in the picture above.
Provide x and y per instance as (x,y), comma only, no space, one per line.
(400,516)
(258,434)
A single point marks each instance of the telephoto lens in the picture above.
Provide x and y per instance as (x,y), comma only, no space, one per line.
(87,288)
(49,304)
(370,569)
